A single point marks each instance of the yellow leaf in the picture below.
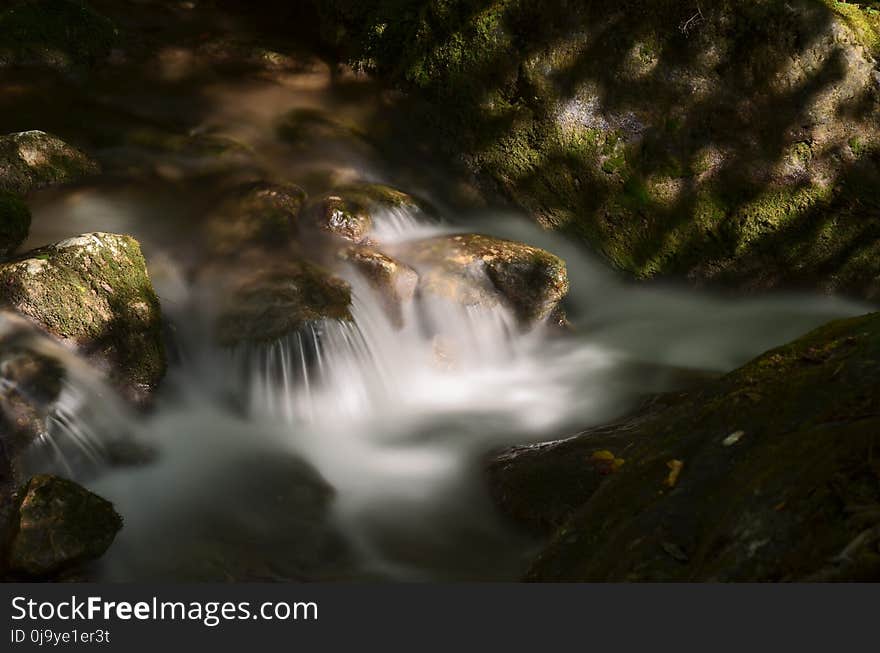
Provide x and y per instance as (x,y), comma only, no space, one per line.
(674,471)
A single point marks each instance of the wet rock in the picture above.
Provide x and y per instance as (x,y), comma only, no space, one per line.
(482,270)
(34,159)
(348,211)
(58,525)
(275,297)
(15,222)
(57,34)
(93,292)
(394,281)
(258,214)
(789,499)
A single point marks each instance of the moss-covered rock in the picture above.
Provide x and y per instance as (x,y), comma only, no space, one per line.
(393,280)
(257,214)
(94,292)
(54,33)
(15,222)
(59,525)
(735,142)
(481,270)
(32,160)
(765,474)
(271,298)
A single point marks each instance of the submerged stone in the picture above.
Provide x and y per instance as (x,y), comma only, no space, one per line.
(481,270)
(34,159)
(94,292)
(791,501)
(59,524)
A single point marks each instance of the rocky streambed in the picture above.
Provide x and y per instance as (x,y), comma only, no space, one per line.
(244,338)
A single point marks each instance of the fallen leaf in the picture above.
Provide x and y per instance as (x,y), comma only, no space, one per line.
(606,462)
(674,471)
(733,438)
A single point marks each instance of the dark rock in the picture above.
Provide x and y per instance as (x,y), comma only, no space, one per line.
(766,474)
(59,525)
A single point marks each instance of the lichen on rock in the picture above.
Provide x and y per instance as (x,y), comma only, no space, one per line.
(94,292)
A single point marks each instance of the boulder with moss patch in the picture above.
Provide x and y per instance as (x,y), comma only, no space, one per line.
(766,474)
(481,270)
(15,222)
(58,525)
(94,292)
(34,159)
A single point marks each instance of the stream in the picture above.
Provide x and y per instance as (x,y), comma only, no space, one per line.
(361,457)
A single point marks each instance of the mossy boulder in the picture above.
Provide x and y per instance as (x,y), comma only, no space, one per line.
(15,222)
(54,33)
(257,214)
(766,474)
(58,525)
(474,269)
(735,142)
(393,280)
(349,211)
(270,298)
(94,292)
(34,159)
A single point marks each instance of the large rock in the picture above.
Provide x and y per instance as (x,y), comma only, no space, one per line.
(481,270)
(276,297)
(32,160)
(257,214)
(93,292)
(15,222)
(58,525)
(766,474)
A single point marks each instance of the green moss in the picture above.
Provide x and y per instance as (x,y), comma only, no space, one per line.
(863,19)
(43,30)
(15,222)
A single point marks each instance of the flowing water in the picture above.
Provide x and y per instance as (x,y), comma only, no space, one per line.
(346,451)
